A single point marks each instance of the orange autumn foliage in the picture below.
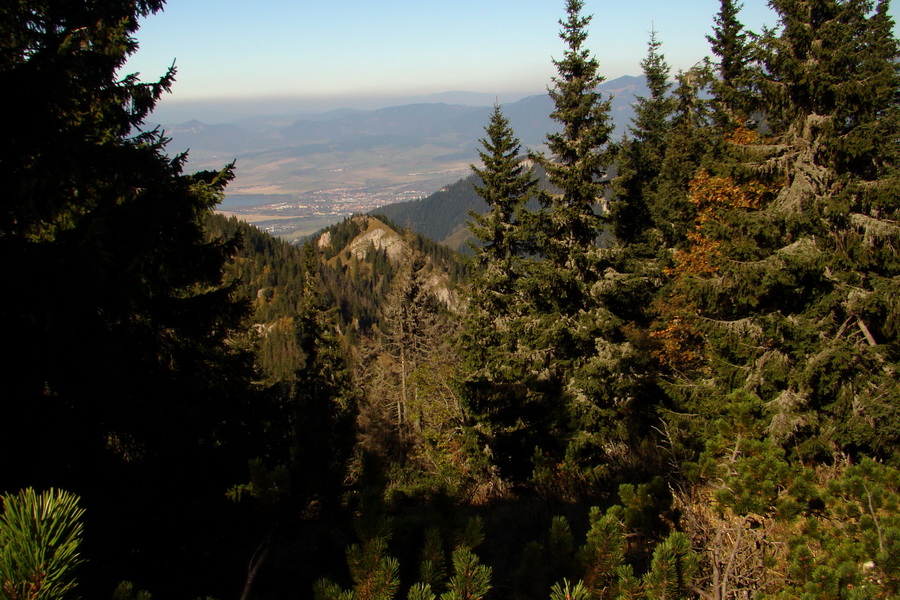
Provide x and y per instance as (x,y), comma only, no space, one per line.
(742,136)
(681,343)
(710,194)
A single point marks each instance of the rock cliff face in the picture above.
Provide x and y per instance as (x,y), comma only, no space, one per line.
(380,237)
(375,235)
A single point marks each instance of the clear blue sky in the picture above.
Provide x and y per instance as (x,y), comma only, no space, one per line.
(345,48)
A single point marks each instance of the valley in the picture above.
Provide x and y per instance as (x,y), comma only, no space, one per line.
(296,175)
(295,197)
(294,216)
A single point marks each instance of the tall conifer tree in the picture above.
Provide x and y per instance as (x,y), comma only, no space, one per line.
(121,382)
(125,312)
(589,333)
(577,165)
(619,375)
(496,387)
(565,232)
(795,261)
(506,186)
(729,43)
(835,69)
(641,156)
(558,325)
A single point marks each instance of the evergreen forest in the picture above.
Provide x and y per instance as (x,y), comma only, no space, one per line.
(669,367)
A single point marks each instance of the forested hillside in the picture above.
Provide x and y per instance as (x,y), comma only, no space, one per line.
(444,215)
(441,214)
(670,372)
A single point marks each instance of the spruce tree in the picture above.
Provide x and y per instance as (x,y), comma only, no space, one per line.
(577,165)
(831,88)
(561,322)
(639,161)
(794,262)
(496,383)
(122,383)
(125,312)
(618,376)
(566,231)
(506,186)
(499,259)
(732,89)
(690,141)
(780,334)
(639,164)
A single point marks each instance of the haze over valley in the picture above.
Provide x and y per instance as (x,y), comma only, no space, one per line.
(297,174)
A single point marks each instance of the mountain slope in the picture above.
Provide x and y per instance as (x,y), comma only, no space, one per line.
(441,214)
(361,257)
(444,215)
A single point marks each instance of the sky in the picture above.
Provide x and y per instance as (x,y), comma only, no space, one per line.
(336,53)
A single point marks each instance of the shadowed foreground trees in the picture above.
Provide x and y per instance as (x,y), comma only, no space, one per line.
(122,385)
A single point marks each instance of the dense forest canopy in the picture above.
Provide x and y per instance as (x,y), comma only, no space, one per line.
(668,370)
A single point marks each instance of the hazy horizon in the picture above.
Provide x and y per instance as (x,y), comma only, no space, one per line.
(172,110)
(311,57)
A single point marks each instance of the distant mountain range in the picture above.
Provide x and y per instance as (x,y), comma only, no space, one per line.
(453,121)
(408,151)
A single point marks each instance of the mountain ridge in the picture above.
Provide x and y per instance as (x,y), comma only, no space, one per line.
(185,135)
